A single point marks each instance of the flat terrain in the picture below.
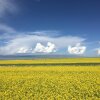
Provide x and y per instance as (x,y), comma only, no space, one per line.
(52,60)
(50,82)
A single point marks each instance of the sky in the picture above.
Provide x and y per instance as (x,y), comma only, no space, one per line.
(69,27)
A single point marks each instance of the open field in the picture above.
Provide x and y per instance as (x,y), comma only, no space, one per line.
(50,82)
(52,60)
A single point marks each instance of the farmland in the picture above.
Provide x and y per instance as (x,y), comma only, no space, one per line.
(49,82)
(52,60)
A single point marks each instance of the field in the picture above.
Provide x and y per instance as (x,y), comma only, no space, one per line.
(49,82)
(53,60)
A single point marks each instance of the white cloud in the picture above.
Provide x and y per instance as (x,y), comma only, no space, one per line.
(7,6)
(46,33)
(39,48)
(30,41)
(44,49)
(97,51)
(23,50)
(78,49)
(50,47)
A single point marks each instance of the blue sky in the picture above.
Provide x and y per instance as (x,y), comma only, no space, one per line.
(26,23)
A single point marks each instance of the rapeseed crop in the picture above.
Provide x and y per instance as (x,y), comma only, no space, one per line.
(53,60)
(50,83)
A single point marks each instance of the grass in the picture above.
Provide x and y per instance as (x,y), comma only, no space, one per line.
(49,83)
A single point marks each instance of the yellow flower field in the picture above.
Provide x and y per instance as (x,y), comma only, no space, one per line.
(50,83)
(53,60)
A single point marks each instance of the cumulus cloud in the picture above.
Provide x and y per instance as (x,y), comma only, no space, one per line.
(7,6)
(78,49)
(23,50)
(97,51)
(29,41)
(44,49)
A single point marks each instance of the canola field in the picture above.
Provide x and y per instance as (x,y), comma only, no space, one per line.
(49,82)
(52,60)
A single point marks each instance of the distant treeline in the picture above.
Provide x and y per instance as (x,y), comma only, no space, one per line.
(54,64)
